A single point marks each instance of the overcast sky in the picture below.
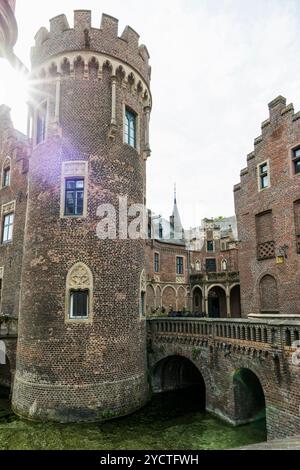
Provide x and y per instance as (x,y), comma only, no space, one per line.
(215,66)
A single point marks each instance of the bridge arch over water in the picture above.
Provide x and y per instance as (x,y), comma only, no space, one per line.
(176,372)
(249,396)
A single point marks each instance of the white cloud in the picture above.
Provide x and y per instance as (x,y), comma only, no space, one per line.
(216,64)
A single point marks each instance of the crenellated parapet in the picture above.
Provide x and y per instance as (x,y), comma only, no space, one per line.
(102,43)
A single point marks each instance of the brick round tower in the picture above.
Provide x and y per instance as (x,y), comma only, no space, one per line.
(81,348)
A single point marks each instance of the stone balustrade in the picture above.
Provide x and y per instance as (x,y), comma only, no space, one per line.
(263,333)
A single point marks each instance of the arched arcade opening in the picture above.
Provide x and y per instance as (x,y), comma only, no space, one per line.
(197,299)
(217,307)
(235,302)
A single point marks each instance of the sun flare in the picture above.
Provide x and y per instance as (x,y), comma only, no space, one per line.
(14,93)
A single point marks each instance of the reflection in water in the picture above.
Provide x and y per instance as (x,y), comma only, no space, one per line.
(172,420)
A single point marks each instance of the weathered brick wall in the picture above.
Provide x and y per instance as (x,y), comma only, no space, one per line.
(13,146)
(89,370)
(280,134)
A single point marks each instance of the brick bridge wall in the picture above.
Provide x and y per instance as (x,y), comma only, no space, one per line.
(219,348)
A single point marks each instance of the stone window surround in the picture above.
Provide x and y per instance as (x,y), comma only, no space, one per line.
(79,277)
(8,208)
(5,166)
(265,162)
(73,169)
(138,128)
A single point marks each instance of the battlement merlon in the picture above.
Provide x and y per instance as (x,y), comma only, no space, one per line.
(61,38)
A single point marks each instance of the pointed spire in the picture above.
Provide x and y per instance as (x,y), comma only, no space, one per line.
(175,221)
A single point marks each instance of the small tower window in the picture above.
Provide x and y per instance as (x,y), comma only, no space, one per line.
(41,116)
(79,304)
(296,160)
(7,232)
(6,177)
(130,127)
(74,192)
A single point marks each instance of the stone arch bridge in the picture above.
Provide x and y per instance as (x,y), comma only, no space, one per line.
(241,365)
(248,367)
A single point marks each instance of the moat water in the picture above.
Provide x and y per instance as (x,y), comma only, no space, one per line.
(171,421)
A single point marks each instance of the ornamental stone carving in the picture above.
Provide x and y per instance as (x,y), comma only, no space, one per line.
(79,277)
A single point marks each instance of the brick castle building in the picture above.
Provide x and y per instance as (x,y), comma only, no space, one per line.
(77,302)
(267,202)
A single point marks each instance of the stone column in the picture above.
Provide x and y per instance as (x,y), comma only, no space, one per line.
(228,301)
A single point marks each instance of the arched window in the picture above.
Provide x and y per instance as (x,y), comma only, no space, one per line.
(6,172)
(79,293)
(224,265)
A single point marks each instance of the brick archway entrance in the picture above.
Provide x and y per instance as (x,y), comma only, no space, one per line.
(217,303)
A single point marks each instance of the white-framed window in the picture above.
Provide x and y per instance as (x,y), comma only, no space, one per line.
(79,304)
(74,184)
(263,174)
(7,229)
(131,128)
(79,294)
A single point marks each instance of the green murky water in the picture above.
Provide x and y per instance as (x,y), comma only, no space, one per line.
(170,421)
